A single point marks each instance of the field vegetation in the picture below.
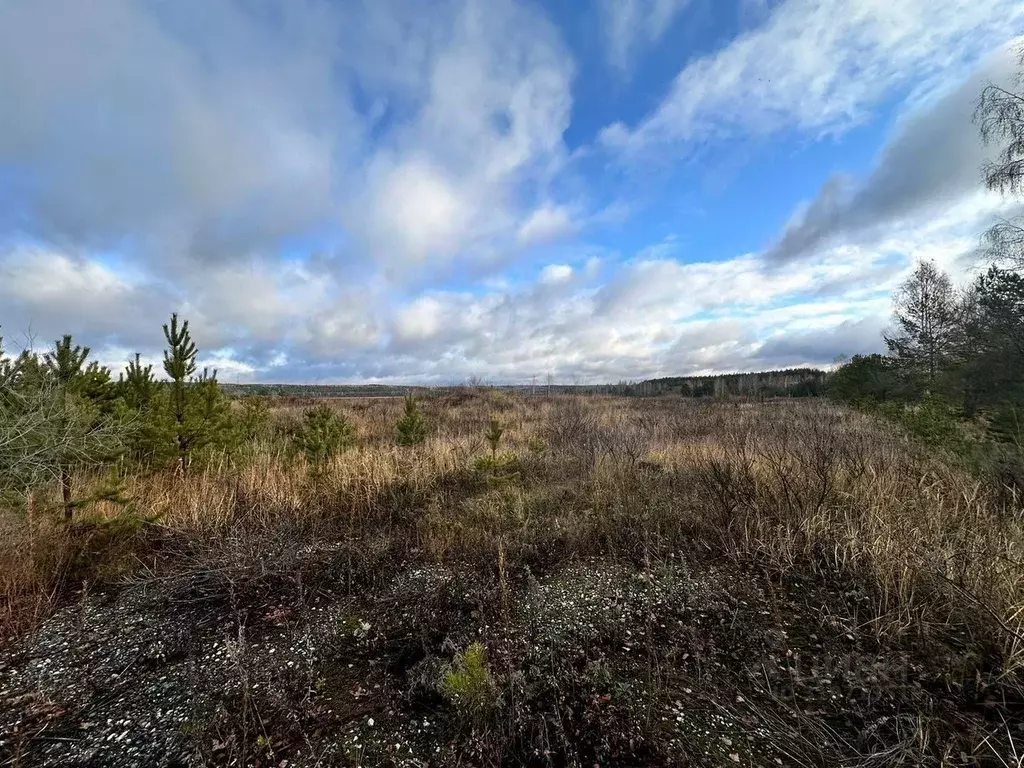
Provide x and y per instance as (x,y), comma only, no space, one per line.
(539,581)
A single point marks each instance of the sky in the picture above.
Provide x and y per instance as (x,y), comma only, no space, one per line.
(403,191)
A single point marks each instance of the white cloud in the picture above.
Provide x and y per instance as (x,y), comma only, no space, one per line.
(629,24)
(555,273)
(419,321)
(546,224)
(47,293)
(46,276)
(652,316)
(480,138)
(210,132)
(228,368)
(819,66)
(217,142)
(929,165)
(419,213)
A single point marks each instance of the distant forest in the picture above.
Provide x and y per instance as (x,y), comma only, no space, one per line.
(792,382)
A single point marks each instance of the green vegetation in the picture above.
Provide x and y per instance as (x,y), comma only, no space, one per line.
(323,434)
(493,436)
(412,429)
(192,410)
(468,684)
(62,414)
(954,373)
(57,415)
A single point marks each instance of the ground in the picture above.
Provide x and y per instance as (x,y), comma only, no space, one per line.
(691,663)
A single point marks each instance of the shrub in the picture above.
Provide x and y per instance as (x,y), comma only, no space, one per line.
(1006,425)
(412,429)
(933,420)
(46,433)
(323,434)
(864,379)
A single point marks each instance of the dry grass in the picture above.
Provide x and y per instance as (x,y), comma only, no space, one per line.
(791,487)
(789,482)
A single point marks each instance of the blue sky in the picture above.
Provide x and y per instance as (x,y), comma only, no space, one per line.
(394,190)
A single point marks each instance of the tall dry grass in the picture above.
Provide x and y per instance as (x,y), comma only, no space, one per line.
(791,485)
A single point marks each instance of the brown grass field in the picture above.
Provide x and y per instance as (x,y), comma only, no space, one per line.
(628,582)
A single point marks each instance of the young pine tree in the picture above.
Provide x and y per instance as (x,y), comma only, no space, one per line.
(197,408)
(324,434)
(137,385)
(63,365)
(7,369)
(493,437)
(412,429)
(146,401)
(254,421)
(83,401)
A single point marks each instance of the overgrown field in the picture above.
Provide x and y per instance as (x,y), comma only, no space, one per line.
(542,581)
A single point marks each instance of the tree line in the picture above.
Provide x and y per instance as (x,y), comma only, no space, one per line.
(962,347)
(791,382)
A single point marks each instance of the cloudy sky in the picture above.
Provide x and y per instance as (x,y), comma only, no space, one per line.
(396,190)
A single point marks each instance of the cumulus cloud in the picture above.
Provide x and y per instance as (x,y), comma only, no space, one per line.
(818,66)
(45,294)
(932,162)
(555,273)
(214,132)
(648,317)
(417,213)
(476,146)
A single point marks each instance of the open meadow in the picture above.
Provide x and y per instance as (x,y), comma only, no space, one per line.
(542,581)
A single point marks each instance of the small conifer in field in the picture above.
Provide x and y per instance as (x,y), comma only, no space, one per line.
(65,362)
(493,437)
(255,418)
(468,684)
(198,410)
(324,433)
(7,368)
(412,429)
(84,394)
(137,384)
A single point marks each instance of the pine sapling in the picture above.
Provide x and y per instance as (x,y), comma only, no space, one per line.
(412,429)
(324,433)
(63,366)
(198,407)
(493,436)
